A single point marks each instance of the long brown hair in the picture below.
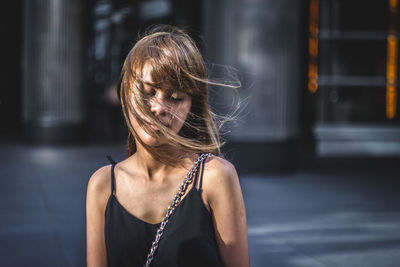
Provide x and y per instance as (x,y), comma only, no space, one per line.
(170,55)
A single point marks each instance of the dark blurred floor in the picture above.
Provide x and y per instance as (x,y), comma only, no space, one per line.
(308,218)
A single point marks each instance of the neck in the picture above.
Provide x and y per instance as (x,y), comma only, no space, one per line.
(153,168)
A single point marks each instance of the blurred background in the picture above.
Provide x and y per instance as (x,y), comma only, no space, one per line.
(316,144)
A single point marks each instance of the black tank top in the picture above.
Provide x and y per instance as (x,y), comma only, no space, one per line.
(188,239)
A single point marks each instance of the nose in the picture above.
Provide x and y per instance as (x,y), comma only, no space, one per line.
(158,107)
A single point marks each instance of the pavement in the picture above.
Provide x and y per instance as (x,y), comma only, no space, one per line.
(310,218)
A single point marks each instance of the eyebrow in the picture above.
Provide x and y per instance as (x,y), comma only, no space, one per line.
(169,90)
(150,84)
(153,84)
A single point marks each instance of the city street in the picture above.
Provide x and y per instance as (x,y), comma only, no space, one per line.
(306,218)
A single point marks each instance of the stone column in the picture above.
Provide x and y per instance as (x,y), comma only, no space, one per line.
(263,40)
(53,70)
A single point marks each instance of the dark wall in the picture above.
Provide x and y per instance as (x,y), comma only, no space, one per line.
(102,118)
(10,67)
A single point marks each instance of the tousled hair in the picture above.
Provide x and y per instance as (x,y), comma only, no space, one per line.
(169,55)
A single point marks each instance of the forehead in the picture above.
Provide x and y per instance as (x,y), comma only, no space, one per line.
(146,76)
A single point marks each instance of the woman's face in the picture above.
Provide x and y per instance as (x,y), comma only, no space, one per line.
(168,105)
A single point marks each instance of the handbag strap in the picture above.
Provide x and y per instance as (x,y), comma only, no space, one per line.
(171,208)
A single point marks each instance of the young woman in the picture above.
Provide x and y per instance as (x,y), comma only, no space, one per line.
(173,141)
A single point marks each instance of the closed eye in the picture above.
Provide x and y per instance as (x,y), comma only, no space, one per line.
(149,93)
(174,96)
(176,99)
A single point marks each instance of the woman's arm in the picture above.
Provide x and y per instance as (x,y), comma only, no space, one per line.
(223,194)
(98,191)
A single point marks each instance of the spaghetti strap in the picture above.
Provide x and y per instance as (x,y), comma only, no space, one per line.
(112,174)
(201,173)
(110,159)
(196,177)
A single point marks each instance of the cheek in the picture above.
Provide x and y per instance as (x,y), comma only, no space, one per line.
(181,112)
(133,121)
(136,110)
(134,118)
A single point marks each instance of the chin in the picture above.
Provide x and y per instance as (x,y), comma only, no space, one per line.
(150,140)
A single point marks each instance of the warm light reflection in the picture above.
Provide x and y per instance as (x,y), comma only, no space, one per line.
(391,63)
(392,6)
(313,47)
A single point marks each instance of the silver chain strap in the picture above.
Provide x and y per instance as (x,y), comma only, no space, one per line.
(174,204)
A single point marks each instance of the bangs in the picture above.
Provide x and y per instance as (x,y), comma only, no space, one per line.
(168,56)
(166,62)
(162,71)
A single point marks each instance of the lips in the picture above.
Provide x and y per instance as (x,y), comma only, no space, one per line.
(155,128)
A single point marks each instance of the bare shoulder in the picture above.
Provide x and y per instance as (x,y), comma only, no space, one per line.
(225,201)
(219,179)
(99,185)
(98,193)
(219,170)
